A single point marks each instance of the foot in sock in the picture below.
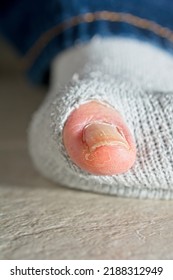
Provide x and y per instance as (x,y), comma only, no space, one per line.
(110,97)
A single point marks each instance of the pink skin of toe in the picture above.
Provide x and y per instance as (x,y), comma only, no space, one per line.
(103,158)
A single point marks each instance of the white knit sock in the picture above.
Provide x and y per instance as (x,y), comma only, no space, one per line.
(134,77)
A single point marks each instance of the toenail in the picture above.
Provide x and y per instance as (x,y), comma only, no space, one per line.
(98,134)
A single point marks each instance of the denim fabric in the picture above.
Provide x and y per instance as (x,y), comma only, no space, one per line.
(23,22)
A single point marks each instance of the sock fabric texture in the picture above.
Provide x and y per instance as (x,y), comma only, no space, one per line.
(134,77)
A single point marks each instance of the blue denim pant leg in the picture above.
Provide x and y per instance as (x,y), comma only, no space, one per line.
(40,29)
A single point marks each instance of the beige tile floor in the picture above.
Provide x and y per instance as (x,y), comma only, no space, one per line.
(40,220)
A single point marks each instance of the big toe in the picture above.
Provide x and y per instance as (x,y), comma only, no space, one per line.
(98,140)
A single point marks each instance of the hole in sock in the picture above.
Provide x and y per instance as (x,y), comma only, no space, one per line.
(94,143)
